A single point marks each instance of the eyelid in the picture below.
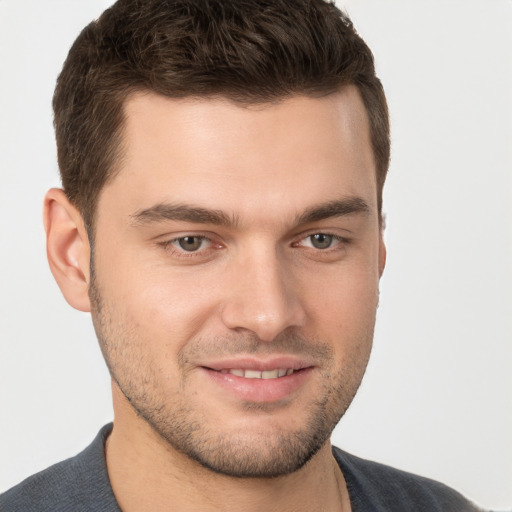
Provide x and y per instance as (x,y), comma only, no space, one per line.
(171,245)
(200,238)
(329,232)
(336,241)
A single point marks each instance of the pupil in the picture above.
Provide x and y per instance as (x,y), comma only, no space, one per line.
(190,243)
(321,240)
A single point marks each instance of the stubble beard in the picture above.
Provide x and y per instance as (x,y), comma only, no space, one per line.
(240,454)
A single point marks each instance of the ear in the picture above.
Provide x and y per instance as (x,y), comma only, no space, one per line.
(382,251)
(67,248)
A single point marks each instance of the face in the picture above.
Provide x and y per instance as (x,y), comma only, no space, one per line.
(236,269)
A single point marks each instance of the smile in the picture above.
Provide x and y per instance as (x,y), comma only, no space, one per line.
(256,374)
(249,380)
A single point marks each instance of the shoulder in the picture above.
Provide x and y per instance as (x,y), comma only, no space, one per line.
(78,483)
(374,486)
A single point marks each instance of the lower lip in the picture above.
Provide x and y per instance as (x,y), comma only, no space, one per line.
(259,390)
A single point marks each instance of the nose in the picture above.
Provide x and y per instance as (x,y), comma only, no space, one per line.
(262,297)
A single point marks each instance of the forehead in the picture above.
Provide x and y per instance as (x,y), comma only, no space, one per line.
(224,155)
(338,119)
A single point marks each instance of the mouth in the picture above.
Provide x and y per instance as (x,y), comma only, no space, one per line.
(276,373)
(251,380)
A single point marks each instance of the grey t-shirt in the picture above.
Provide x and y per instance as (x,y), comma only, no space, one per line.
(81,484)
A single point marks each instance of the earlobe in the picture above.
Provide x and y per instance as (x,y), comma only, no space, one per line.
(67,248)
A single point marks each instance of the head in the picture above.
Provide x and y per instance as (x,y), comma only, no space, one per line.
(223,165)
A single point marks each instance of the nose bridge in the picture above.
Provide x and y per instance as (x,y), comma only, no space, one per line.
(263,297)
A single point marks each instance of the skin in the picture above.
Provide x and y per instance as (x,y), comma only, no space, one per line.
(284,257)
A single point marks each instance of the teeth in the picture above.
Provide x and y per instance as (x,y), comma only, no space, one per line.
(256,374)
(252,374)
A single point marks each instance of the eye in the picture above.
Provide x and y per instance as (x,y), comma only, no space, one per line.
(190,243)
(323,246)
(321,240)
(191,248)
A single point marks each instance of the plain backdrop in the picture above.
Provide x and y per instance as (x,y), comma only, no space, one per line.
(436,399)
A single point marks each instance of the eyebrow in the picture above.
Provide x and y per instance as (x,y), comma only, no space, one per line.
(182,212)
(337,208)
(194,214)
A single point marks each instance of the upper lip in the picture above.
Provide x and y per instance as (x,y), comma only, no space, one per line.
(251,363)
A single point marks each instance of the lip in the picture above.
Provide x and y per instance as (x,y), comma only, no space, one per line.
(258,390)
(261,365)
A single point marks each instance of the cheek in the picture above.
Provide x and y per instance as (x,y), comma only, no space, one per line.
(350,290)
(164,308)
(342,307)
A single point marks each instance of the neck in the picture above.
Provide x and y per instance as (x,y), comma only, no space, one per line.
(147,474)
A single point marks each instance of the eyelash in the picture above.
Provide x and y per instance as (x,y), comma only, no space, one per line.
(169,245)
(340,241)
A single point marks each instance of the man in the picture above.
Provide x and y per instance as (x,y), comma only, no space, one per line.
(222,166)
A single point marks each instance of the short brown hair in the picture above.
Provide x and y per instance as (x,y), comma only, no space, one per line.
(250,51)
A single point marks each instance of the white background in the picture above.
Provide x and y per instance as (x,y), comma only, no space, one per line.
(437,396)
